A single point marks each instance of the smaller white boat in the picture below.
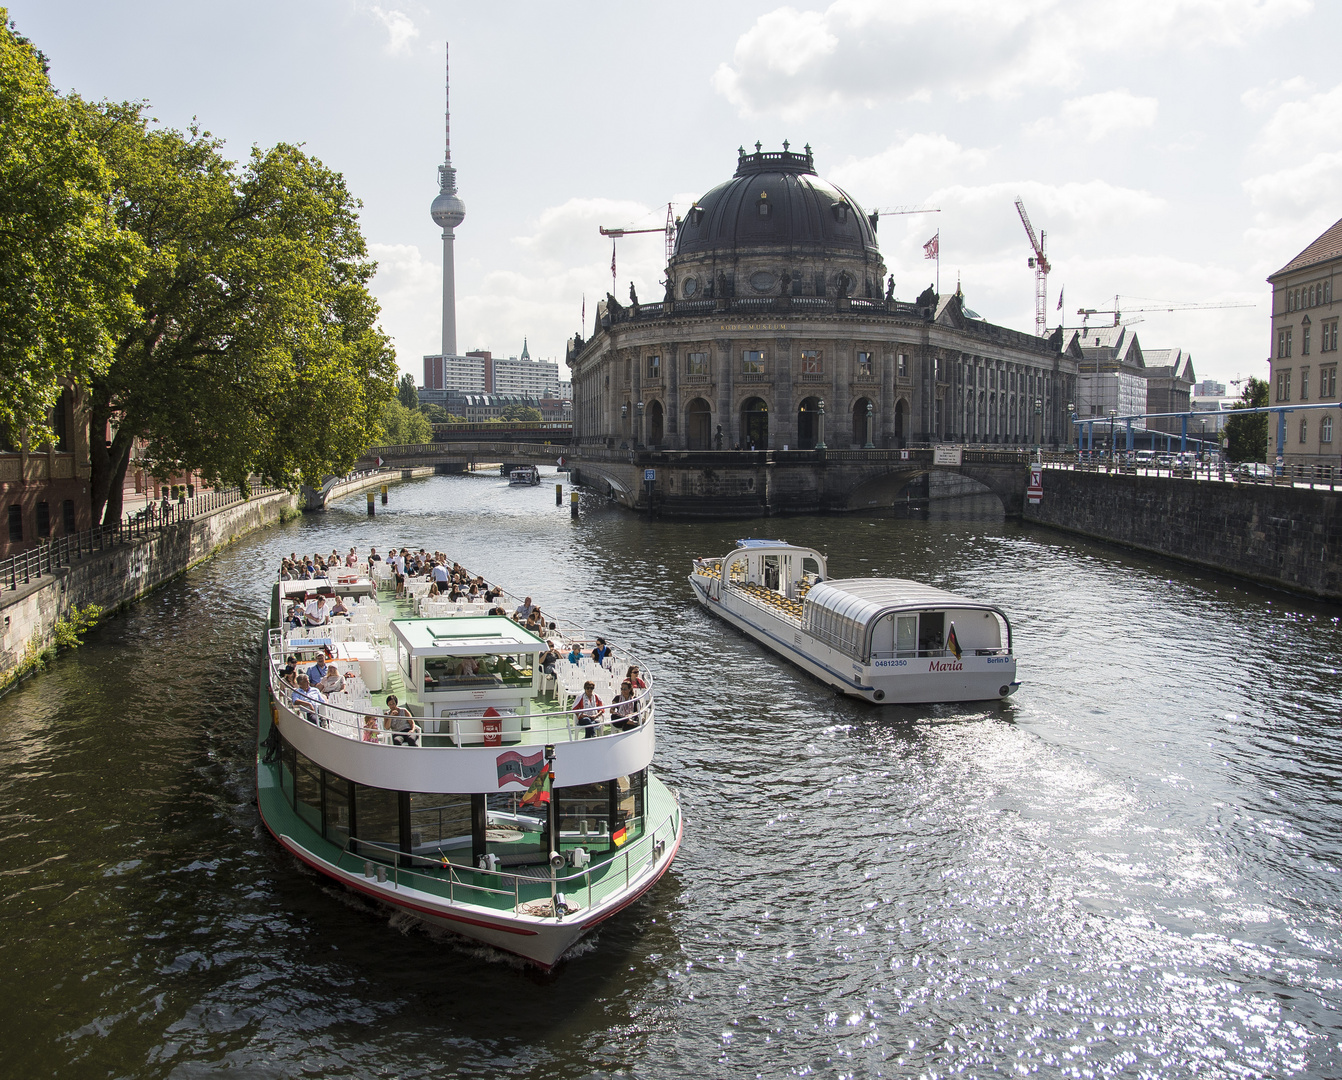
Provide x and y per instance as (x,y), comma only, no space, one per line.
(885,640)
(525,476)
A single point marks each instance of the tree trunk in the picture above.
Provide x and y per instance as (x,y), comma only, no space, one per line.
(108,461)
(117,488)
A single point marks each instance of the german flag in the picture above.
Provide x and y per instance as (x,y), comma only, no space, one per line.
(952,642)
(619,836)
(538,794)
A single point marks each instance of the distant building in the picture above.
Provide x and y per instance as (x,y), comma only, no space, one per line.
(1303,357)
(1209,388)
(1169,388)
(1111,374)
(478,408)
(482,371)
(45,489)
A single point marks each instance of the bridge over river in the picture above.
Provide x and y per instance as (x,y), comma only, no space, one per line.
(732,483)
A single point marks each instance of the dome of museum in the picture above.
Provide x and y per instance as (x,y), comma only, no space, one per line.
(776,200)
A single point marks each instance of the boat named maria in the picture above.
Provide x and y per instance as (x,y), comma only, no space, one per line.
(885,640)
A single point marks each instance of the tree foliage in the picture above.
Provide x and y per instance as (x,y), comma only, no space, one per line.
(1246,436)
(405,391)
(66,270)
(435,414)
(255,348)
(401,426)
(520,413)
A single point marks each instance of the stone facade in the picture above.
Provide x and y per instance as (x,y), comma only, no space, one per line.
(774,332)
(45,490)
(1302,368)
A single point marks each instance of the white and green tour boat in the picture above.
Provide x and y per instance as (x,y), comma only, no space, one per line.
(885,640)
(496,808)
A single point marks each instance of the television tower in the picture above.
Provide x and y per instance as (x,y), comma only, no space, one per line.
(448,211)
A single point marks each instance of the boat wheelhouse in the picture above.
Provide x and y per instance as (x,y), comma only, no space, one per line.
(524,476)
(496,808)
(885,640)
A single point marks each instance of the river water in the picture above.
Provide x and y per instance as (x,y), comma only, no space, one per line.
(1130,869)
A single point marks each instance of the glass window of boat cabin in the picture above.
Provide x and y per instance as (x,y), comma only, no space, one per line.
(440,824)
(517,834)
(446,673)
(924,633)
(585,813)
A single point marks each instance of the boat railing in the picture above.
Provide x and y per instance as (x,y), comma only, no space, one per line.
(650,848)
(349,722)
(901,654)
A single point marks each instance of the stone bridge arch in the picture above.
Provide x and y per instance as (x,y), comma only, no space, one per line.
(877,485)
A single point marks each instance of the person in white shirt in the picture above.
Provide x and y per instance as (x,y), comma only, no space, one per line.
(588,709)
(318,615)
(524,609)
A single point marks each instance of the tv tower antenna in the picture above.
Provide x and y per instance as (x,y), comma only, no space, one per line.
(448,211)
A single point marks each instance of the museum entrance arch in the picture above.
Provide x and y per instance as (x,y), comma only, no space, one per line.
(754,424)
(808,424)
(861,435)
(698,425)
(656,423)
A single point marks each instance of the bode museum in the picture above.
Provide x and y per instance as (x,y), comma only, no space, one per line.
(778,329)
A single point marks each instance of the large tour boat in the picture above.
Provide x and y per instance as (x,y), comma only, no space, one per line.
(885,640)
(499,807)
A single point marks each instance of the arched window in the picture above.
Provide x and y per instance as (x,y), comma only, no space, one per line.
(1304,428)
(1326,430)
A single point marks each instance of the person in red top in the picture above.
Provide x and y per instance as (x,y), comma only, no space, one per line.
(634,679)
(588,709)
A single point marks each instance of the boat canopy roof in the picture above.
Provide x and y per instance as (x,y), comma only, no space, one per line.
(465,636)
(845,610)
(761,543)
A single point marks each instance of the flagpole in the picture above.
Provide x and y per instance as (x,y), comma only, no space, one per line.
(552,825)
(938,238)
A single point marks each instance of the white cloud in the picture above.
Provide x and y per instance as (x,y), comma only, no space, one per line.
(1097,117)
(862,52)
(401,30)
(907,171)
(1259,98)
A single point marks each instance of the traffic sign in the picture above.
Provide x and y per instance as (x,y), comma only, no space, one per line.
(649,475)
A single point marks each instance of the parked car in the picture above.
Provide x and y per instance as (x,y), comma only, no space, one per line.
(1252,470)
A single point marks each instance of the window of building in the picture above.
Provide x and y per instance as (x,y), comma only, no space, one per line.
(902,366)
(1304,428)
(68,516)
(864,363)
(1304,384)
(1283,343)
(15,524)
(763,204)
(696,363)
(58,422)
(812,363)
(43,519)
(1304,340)
(1326,430)
(1283,386)
(1327,292)
(1328,382)
(1328,337)
(628,371)
(752,362)
(654,367)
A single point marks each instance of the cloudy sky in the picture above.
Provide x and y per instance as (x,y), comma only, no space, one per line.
(1173,150)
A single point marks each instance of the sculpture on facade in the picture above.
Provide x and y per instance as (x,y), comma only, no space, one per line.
(633,295)
(890,288)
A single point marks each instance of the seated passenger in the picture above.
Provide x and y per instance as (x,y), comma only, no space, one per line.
(319,615)
(433,590)
(308,701)
(550,658)
(575,654)
(523,609)
(634,679)
(588,709)
(624,709)
(339,608)
(316,671)
(601,651)
(296,618)
(333,682)
(370,728)
(405,732)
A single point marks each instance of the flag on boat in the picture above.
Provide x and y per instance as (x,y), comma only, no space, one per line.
(932,249)
(619,836)
(538,794)
(952,642)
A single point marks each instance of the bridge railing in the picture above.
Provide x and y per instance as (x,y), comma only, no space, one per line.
(1327,477)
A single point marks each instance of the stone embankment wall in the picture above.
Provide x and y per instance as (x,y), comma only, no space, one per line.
(1283,536)
(123,574)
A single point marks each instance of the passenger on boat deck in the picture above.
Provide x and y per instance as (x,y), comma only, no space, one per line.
(535,623)
(332,683)
(316,671)
(454,595)
(400,723)
(601,651)
(498,611)
(370,728)
(290,665)
(624,709)
(440,574)
(492,594)
(373,557)
(351,560)
(574,654)
(308,699)
(319,616)
(634,679)
(433,589)
(473,594)
(339,608)
(550,658)
(296,617)
(524,609)
(588,709)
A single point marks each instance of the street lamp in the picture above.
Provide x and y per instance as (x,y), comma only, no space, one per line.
(869,444)
(638,434)
(820,442)
(1039,424)
(1071,417)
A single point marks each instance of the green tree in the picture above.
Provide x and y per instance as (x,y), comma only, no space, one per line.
(401,426)
(435,414)
(521,413)
(255,350)
(1246,436)
(405,390)
(66,270)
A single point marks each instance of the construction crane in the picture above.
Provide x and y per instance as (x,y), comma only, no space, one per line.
(895,211)
(1038,262)
(1157,305)
(669,229)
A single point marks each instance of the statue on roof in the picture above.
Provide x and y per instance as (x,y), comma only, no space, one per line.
(890,288)
(633,294)
(927,298)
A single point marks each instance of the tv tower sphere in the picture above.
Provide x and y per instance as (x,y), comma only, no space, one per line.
(448,210)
